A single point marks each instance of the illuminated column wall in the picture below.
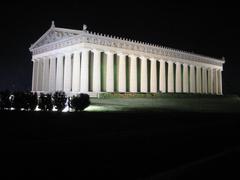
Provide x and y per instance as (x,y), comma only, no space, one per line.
(59,72)
(81,71)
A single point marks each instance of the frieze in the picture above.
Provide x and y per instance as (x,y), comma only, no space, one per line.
(57,40)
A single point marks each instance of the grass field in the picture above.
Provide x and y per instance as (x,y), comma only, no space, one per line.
(154,140)
(168,104)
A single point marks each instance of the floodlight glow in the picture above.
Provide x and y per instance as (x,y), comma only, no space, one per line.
(37,109)
(66,109)
(96,108)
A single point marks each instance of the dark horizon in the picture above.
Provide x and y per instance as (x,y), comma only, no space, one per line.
(206,29)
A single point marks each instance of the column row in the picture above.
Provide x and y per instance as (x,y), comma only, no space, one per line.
(98,71)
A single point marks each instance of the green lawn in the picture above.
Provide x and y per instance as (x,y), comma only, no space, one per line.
(228,104)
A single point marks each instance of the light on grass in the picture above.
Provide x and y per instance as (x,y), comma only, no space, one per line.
(66,109)
(95,108)
(37,109)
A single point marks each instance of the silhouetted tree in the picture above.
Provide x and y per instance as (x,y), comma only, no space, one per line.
(32,101)
(5,102)
(45,102)
(18,100)
(79,102)
(59,100)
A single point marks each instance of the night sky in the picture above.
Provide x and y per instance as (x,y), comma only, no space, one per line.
(205,28)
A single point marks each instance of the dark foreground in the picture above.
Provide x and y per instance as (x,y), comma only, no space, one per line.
(124,146)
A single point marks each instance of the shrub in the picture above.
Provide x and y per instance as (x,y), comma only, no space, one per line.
(32,99)
(5,102)
(19,100)
(59,100)
(45,102)
(79,102)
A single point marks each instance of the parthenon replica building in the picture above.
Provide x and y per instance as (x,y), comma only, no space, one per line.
(79,61)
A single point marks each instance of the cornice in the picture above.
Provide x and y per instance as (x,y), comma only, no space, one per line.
(124,44)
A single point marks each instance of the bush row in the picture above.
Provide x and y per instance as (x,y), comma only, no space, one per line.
(46,102)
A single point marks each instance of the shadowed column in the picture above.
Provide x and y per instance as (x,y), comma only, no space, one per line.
(215,81)
(220,81)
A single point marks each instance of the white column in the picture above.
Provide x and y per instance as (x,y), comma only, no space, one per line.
(67,72)
(170,77)
(84,70)
(45,77)
(153,76)
(216,81)
(96,70)
(40,74)
(210,81)
(220,82)
(52,74)
(76,72)
(143,83)
(185,78)
(178,78)
(203,80)
(192,78)
(37,75)
(162,78)
(133,73)
(199,80)
(59,74)
(45,68)
(33,75)
(110,72)
(122,72)
(206,81)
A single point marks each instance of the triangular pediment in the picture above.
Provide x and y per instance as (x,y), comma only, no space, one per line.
(54,35)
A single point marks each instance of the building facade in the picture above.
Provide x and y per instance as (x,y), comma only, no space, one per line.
(77,61)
